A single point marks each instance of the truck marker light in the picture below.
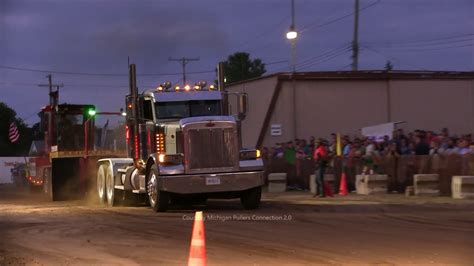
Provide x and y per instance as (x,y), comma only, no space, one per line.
(136,147)
(127,133)
(160,143)
(176,88)
(212,87)
(257,153)
(160,88)
(187,88)
(161,158)
(196,87)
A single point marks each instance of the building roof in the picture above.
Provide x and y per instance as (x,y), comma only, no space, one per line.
(366,74)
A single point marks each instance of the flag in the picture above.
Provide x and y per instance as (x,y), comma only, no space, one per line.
(13,134)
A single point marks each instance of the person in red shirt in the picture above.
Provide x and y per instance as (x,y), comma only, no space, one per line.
(320,156)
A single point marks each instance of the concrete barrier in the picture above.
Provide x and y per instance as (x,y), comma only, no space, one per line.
(313,187)
(277,182)
(426,184)
(462,187)
(409,191)
(370,184)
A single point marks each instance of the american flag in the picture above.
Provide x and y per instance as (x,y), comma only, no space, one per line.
(14,135)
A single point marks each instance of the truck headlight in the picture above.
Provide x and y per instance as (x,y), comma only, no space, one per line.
(170,158)
(249,154)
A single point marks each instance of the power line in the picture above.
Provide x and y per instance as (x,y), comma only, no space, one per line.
(264,33)
(391,57)
(184,61)
(424,40)
(323,56)
(339,18)
(429,44)
(326,59)
(99,74)
(434,49)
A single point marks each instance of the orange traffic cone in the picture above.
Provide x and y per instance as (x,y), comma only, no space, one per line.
(197,252)
(343,185)
(328,190)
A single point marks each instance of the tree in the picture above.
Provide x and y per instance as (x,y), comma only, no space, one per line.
(240,67)
(388,66)
(22,146)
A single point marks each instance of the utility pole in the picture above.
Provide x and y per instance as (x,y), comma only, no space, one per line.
(183,61)
(53,95)
(355,41)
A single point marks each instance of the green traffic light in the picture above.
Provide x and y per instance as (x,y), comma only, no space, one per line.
(91,112)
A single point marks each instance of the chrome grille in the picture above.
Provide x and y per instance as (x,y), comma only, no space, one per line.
(211,148)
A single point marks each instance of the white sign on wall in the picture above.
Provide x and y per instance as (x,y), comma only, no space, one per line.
(275,130)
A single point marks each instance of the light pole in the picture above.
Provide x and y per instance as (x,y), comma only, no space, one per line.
(291,35)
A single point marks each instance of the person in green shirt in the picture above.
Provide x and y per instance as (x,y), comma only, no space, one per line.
(290,153)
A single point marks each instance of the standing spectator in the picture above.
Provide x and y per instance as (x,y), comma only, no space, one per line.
(435,147)
(463,147)
(450,146)
(404,147)
(392,150)
(312,144)
(279,150)
(290,153)
(320,157)
(445,138)
(421,148)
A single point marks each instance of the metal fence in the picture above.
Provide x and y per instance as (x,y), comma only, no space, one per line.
(400,170)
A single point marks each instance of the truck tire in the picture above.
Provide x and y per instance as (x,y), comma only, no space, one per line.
(114,196)
(250,199)
(159,200)
(101,172)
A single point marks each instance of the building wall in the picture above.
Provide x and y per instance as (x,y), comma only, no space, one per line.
(260,93)
(434,104)
(345,106)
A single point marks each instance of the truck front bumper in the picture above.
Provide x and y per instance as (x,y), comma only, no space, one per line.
(208,183)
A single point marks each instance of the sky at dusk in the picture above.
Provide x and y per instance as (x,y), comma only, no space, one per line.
(91,40)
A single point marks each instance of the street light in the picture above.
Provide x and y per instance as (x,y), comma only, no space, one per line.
(292,33)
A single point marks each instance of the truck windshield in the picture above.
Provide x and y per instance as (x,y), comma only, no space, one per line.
(187,109)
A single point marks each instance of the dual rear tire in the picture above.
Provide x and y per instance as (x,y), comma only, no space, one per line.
(106,191)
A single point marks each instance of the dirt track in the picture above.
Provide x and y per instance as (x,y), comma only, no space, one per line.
(301,230)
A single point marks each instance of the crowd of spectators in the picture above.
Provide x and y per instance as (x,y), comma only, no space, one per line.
(419,142)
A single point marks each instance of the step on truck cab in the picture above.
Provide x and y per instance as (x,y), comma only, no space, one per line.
(182,146)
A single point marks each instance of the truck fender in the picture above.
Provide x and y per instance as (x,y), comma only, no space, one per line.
(152,159)
(114,164)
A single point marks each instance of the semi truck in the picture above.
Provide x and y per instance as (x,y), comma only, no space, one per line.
(65,167)
(182,144)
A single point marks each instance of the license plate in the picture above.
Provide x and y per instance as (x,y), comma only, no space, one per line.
(213,181)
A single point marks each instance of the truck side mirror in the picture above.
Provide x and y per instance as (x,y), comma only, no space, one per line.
(242,111)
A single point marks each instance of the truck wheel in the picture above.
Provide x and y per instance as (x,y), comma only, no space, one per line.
(101,183)
(250,199)
(159,200)
(114,196)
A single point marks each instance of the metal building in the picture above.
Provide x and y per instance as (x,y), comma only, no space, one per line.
(285,106)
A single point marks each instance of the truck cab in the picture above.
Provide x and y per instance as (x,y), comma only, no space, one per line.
(181,145)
